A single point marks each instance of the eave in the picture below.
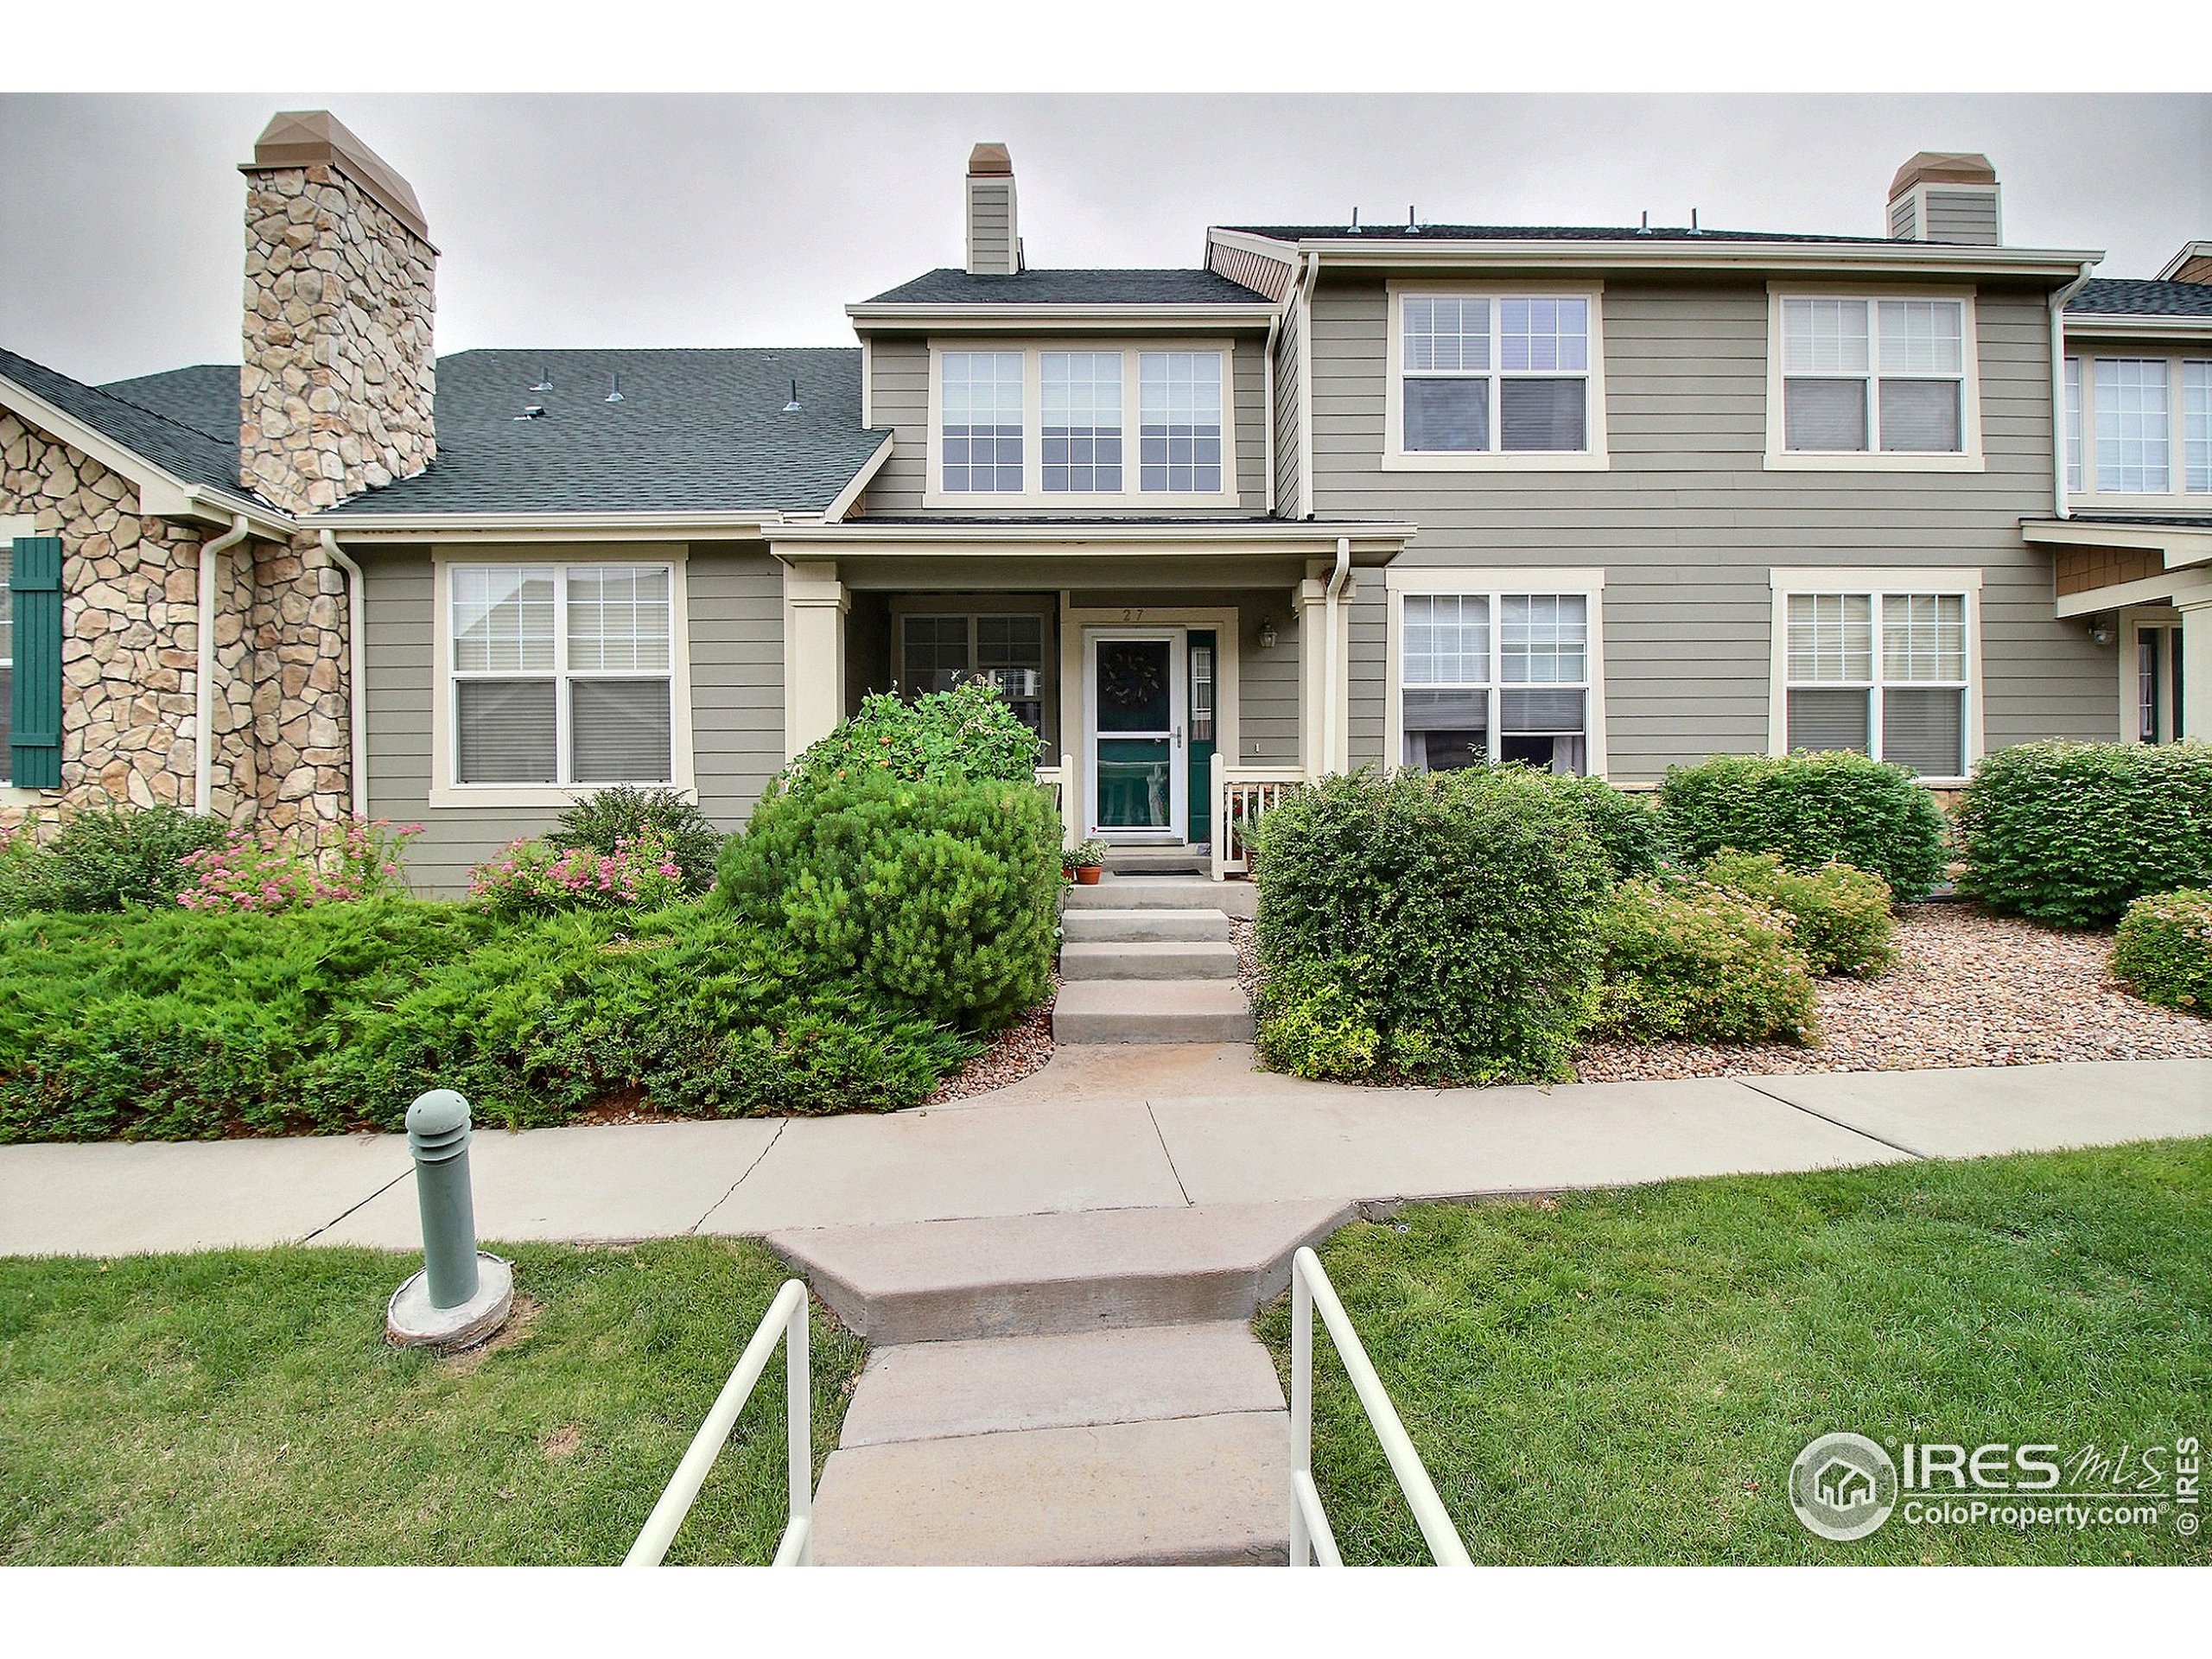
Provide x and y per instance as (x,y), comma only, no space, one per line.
(368,530)
(2119,325)
(1035,318)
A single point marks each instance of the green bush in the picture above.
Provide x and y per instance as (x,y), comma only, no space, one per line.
(969,733)
(609,821)
(1811,810)
(1627,828)
(1312,1024)
(105,858)
(1454,910)
(2164,948)
(941,898)
(1698,963)
(1839,917)
(2071,833)
(535,878)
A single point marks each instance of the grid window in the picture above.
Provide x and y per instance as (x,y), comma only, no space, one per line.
(1080,396)
(1473,695)
(1925,638)
(1544,639)
(1896,691)
(2196,427)
(2131,425)
(562,674)
(1861,376)
(981,396)
(2073,423)
(1831,638)
(937,652)
(7,657)
(1446,639)
(1482,375)
(1179,408)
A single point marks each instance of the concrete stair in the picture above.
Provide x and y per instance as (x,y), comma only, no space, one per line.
(1157,860)
(1142,926)
(1149,959)
(1145,892)
(1213,959)
(1152,1011)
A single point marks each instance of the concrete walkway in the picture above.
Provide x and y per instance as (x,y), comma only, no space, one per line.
(1099,1128)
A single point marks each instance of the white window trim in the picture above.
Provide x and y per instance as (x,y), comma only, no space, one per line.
(1033,495)
(2179,497)
(445,792)
(1781,459)
(11,794)
(1878,584)
(1399,581)
(1397,458)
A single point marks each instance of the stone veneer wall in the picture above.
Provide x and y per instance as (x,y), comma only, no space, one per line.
(301,729)
(338,368)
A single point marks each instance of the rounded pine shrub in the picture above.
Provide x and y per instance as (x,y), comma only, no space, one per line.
(2070,834)
(1453,913)
(969,733)
(2164,948)
(1700,963)
(941,898)
(1839,917)
(1810,810)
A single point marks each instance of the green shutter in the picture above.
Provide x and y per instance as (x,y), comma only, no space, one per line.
(35,742)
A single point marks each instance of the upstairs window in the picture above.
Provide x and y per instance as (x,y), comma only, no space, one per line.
(2132,425)
(1080,393)
(982,432)
(2197,426)
(1862,376)
(1494,374)
(2074,424)
(1181,412)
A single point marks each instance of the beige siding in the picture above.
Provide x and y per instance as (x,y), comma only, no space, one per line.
(1688,522)
(1288,369)
(1962,216)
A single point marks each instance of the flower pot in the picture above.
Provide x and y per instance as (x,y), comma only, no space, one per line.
(1087,874)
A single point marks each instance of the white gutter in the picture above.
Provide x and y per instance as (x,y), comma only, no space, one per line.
(549,526)
(2058,387)
(357,672)
(1713,252)
(1331,666)
(203,686)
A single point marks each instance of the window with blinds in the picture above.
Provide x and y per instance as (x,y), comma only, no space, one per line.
(1493,677)
(1885,674)
(562,674)
(1494,373)
(1862,375)
(2133,425)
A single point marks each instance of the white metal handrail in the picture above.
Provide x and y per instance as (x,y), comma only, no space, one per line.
(785,1321)
(1241,796)
(1060,780)
(1311,1536)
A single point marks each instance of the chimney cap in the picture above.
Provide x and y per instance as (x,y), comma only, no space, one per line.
(989,162)
(318,138)
(1943,167)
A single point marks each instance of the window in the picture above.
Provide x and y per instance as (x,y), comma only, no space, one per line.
(937,652)
(1494,676)
(7,656)
(1047,426)
(2131,425)
(1885,673)
(983,426)
(2073,424)
(2196,427)
(1866,376)
(562,674)
(1494,374)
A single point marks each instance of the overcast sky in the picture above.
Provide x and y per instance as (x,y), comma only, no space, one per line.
(681,220)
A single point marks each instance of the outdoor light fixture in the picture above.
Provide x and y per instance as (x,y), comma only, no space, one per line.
(1267,633)
(2101,631)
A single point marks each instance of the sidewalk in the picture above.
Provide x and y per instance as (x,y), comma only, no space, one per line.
(1098,1128)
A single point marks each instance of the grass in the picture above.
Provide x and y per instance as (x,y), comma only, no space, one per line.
(243,1406)
(1626,1377)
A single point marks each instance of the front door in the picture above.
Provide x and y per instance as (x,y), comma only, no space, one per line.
(1135,692)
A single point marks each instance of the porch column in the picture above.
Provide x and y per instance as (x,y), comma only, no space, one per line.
(2196,666)
(814,603)
(1324,702)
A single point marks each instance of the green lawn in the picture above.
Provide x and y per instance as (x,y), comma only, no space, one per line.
(1626,1376)
(243,1406)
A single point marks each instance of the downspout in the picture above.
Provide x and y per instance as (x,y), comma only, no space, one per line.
(203,690)
(2058,388)
(1331,702)
(357,674)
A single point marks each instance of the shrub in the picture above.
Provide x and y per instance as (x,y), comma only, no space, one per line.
(534,878)
(1312,1024)
(967,733)
(1454,911)
(2164,948)
(605,821)
(23,872)
(1811,809)
(109,857)
(1839,917)
(1696,962)
(273,869)
(941,898)
(1627,827)
(2071,833)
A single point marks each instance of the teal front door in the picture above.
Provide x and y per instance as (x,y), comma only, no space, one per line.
(1135,691)
(1201,676)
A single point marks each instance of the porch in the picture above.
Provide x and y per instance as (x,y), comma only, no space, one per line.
(2149,582)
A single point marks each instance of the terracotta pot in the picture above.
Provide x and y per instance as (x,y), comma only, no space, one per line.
(1087,874)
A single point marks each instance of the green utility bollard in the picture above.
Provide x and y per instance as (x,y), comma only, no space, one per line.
(437,1135)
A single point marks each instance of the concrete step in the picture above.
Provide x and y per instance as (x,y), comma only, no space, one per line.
(1212,959)
(1210,1491)
(1157,860)
(1151,1011)
(932,1390)
(1147,892)
(1041,1275)
(1141,926)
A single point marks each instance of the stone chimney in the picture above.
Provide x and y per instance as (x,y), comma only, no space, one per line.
(1945,196)
(335,394)
(994,229)
(2192,264)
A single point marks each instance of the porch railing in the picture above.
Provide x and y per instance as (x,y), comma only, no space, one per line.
(1242,795)
(1060,780)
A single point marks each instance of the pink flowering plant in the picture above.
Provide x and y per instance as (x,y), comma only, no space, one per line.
(531,878)
(288,869)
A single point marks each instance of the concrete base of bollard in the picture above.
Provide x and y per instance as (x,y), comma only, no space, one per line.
(411,1321)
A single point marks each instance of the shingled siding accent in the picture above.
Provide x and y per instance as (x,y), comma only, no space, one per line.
(901,402)
(1688,522)
(737,706)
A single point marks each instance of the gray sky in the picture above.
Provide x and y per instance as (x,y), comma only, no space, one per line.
(691,220)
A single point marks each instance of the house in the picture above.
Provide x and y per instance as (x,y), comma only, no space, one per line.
(1600,499)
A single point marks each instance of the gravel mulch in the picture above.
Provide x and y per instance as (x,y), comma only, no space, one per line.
(1968,988)
(1008,1056)
(1248,956)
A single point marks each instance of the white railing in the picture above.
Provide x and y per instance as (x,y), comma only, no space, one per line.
(1241,796)
(1310,1537)
(785,1321)
(1060,780)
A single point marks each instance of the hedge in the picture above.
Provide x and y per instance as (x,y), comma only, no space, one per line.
(1809,810)
(2163,950)
(1696,963)
(1839,917)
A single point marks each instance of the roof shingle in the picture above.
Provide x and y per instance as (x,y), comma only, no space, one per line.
(176,446)
(2124,298)
(951,286)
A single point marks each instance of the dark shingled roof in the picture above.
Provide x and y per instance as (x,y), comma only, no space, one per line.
(1545,233)
(204,397)
(2161,520)
(177,445)
(954,286)
(2108,296)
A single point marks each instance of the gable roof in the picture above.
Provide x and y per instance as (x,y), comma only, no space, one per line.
(176,446)
(204,397)
(952,286)
(2125,297)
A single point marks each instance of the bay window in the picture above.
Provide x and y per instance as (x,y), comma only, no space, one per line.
(1885,672)
(1493,375)
(2131,425)
(2139,426)
(1488,676)
(983,425)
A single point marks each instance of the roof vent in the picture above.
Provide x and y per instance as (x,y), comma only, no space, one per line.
(794,406)
(614,393)
(1355,222)
(1644,229)
(532,412)
(545,380)
(1412,224)
(1693,221)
